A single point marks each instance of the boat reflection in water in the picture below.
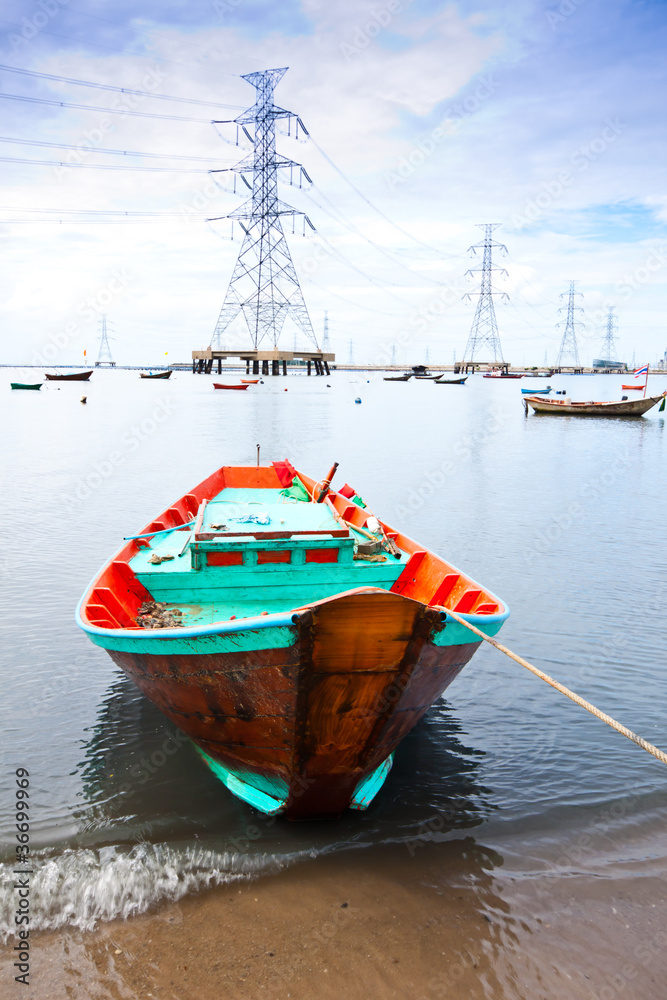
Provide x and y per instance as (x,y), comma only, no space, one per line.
(143,780)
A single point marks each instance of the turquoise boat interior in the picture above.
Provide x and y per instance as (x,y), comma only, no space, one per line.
(291,553)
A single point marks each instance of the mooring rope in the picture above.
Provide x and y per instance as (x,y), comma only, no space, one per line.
(644,744)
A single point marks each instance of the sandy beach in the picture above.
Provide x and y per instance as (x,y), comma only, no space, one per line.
(446,925)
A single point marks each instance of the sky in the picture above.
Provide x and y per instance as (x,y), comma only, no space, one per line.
(426,120)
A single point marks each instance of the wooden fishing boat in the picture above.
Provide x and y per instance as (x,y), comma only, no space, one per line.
(452,381)
(397,378)
(250,381)
(166,374)
(503,375)
(220,385)
(534,392)
(433,377)
(294,637)
(632,387)
(73,377)
(26,385)
(620,408)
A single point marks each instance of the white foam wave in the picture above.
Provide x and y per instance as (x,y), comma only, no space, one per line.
(78,888)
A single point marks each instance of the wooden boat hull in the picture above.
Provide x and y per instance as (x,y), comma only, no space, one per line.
(219,385)
(297,711)
(26,385)
(633,387)
(314,711)
(536,392)
(157,375)
(397,378)
(75,377)
(451,381)
(621,408)
(250,381)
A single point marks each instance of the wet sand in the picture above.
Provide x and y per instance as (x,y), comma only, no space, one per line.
(444,922)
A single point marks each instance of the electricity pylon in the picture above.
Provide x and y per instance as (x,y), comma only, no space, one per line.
(264,287)
(484,330)
(104,355)
(608,350)
(568,346)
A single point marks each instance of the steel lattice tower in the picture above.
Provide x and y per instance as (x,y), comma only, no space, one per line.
(568,347)
(609,338)
(264,286)
(326,344)
(104,355)
(484,330)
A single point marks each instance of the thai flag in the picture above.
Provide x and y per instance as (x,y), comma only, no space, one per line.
(641,371)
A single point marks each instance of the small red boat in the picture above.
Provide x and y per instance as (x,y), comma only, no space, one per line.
(632,387)
(250,381)
(219,385)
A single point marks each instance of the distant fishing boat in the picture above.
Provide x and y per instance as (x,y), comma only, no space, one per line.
(428,376)
(533,392)
(632,387)
(156,374)
(294,637)
(26,385)
(220,385)
(503,375)
(397,378)
(452,381)
(74,377)
(621,408)
(250,381)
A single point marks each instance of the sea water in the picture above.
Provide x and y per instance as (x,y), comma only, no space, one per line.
(562,517)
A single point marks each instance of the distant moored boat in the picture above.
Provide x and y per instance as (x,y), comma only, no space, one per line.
(619,408)
(74,377)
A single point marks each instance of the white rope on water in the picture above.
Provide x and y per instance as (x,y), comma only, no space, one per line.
(644,744)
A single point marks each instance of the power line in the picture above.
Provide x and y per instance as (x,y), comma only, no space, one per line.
(118,90)
(383,286)
(83,222)
(104,166)
(88,211)
(343,221)
(374,207)
(114,152)
(106,111)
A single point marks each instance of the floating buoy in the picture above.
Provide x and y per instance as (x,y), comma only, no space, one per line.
(285,390)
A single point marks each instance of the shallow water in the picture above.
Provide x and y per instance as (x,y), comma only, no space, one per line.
(563,518)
